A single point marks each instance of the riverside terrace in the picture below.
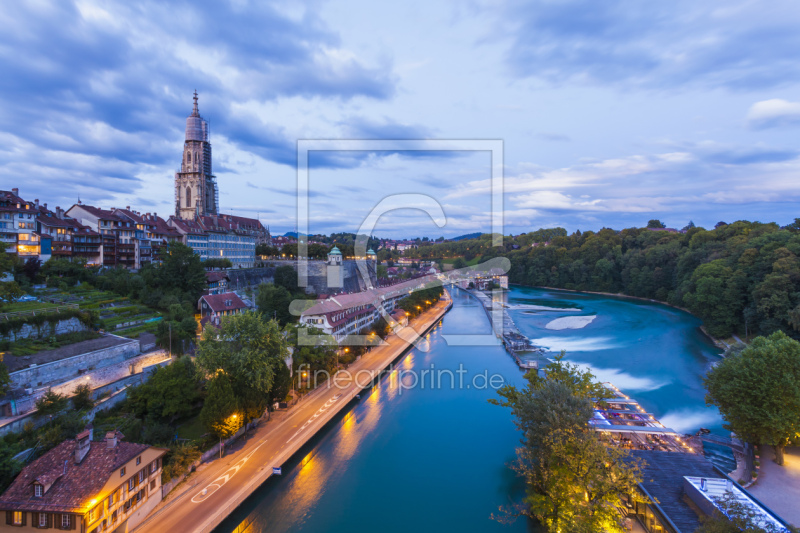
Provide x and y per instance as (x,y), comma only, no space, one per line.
(628,425)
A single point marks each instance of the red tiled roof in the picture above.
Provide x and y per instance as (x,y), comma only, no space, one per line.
(102,214)
(217,302)
(216,275)
(73,484)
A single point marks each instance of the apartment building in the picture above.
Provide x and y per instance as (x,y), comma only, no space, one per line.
(123,244)
(18,224)
(86,486)
(193,235)
(347,314)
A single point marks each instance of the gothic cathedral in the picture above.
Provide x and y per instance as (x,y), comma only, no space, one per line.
(196,191)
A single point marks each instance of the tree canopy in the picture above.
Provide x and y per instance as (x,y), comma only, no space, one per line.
(757,390)
(575,482)
(246,348)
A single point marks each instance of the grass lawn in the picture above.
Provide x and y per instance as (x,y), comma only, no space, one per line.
(191,429)
(25,306)
(32,346)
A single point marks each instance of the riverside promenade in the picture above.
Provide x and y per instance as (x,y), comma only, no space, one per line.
(209,496)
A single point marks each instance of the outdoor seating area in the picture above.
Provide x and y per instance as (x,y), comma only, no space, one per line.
(627,425)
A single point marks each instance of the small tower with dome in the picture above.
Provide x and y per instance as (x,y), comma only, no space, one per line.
(335,269)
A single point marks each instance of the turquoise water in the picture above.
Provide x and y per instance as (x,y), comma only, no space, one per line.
(654,353)
(436,459)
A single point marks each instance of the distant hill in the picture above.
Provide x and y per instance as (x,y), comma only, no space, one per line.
(467,236)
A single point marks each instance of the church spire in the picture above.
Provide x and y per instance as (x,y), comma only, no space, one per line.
(195,112)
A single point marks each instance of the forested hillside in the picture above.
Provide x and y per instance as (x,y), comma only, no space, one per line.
(739,278)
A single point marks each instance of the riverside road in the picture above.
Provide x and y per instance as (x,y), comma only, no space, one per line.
(210,495)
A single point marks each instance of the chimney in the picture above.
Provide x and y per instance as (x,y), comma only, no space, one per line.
(36,202)
(83,443)
(59,212)
(127,208)
(45,206)
(111,439)
(15,191)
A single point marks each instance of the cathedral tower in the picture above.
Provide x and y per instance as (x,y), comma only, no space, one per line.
(196,191)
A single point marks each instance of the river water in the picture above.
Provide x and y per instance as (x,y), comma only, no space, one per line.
(435,458)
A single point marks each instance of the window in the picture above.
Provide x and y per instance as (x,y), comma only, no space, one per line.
(111,499)
(38,490)
(17,518)
(66,521)
(93,514)
(141,476)
(131,484)
(42,520)
(188,197)
(121,472)
(139,460)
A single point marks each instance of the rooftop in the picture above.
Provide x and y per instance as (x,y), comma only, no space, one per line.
(663,480)
(71,484)
(226,301)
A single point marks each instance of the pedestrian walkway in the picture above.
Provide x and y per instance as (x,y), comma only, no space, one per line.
(778,487)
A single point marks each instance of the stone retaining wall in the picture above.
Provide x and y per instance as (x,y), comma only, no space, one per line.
(33,331)
(71,367)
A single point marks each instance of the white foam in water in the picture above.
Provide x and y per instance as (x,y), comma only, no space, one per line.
(571,344)
(531,307)
(690,420)
(623,380)
(570,322)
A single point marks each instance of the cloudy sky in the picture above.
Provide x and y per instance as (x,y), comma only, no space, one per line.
(610,113)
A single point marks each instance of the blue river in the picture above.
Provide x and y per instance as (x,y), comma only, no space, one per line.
(436,458)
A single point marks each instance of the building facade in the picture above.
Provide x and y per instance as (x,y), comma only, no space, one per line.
(86,486)
(196,192)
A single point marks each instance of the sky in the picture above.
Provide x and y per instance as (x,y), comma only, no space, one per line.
(610,113)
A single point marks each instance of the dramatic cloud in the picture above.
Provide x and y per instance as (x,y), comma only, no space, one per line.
(773,113)
(737,45)
(610,112)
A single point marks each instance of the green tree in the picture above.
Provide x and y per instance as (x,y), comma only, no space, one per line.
(51,403)
(282,382)
(220,411)
(9,468)
(82,398)
(758,391)
(273,302)
(10,292)
(178,461)
(182,271)
(170,393)
(178,329)
(5,378)
(286,277)
(655,223)
(574,481)
(245,348)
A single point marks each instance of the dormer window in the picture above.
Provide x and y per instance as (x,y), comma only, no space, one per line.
(38,490)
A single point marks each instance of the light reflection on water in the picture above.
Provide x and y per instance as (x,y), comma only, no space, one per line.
(436,460)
